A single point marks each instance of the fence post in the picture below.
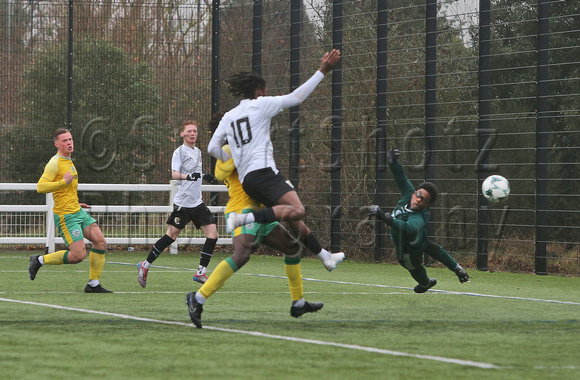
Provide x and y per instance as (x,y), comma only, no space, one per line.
(294,145)
(215,62)
(483,130)
(215,78)
(173,248)
(50,245)
(381,132)
(336,139)
(257,37)
(69,103)
(542,130)
(430,104)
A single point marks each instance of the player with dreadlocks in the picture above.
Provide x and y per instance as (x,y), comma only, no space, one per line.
(247,129)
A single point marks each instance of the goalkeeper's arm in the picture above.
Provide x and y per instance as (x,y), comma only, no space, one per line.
(376,211)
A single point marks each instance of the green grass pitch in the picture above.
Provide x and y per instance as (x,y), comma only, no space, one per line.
(372,326)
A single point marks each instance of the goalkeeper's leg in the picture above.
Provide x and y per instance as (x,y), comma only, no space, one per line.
(440,254)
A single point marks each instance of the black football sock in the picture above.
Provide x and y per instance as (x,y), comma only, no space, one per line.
(265,215)
(207,251)
(159,247)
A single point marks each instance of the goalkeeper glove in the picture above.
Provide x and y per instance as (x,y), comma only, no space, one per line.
(462,275)
(376,211)
(210,178)
(193,176)
(393,155)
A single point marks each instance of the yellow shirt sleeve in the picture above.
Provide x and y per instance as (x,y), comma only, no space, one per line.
(239,200)
(47,183)
(224,169)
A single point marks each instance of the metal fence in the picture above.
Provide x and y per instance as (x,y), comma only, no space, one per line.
(127,226)
(464,88)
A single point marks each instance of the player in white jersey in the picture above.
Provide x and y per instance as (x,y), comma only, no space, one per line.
(246,128)
(187,205)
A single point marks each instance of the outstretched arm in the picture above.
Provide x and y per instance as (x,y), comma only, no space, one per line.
(301,93)
(411,228)
(405,186)
(377,212)
(328,61)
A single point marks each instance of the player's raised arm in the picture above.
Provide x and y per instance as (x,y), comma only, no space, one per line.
(328,61)
(301,93)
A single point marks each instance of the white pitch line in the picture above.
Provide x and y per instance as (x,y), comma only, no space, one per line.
(222,292)
(430,290)
(271,336)
(506,297)
(384,286)
(371,285)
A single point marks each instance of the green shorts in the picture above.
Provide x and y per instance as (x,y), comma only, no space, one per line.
(71,226)
(258,230)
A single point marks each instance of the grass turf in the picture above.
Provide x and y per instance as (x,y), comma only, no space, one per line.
(372,325)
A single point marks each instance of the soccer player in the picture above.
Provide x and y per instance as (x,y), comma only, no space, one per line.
(247,129)
(61,178)
(245,240)
(408,221)
(187,205)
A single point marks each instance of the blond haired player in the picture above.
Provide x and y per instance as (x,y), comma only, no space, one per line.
(188,205)
(61,178)
(245,240)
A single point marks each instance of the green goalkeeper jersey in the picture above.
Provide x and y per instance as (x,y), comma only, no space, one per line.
(408,230)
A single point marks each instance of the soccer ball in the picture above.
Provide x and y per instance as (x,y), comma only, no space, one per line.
(495,188)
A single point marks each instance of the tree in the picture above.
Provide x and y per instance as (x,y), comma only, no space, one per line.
(514,62)
(113,105)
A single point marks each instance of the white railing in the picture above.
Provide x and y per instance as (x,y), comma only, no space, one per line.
(51,239)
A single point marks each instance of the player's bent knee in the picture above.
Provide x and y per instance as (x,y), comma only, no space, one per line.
(241,258)
(75,257)
(212,235)
(293,253)
(100,244)
(298,212)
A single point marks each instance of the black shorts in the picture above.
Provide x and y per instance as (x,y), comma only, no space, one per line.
(266,187)
(200,216)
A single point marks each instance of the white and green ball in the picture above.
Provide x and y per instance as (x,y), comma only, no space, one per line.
(495,188)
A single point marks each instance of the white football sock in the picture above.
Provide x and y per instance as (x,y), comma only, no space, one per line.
(324,254)
(199,298)
(299,303)
(248,218)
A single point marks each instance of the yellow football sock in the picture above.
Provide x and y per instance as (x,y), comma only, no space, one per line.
(96,263)
(218,277)
(294,273)
(56,258)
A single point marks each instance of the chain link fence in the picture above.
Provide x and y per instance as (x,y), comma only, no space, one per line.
(463,91)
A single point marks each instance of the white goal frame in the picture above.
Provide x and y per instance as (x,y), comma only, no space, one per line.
(51,239)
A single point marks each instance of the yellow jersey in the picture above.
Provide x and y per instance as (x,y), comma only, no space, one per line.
(239,200)
(66,200)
